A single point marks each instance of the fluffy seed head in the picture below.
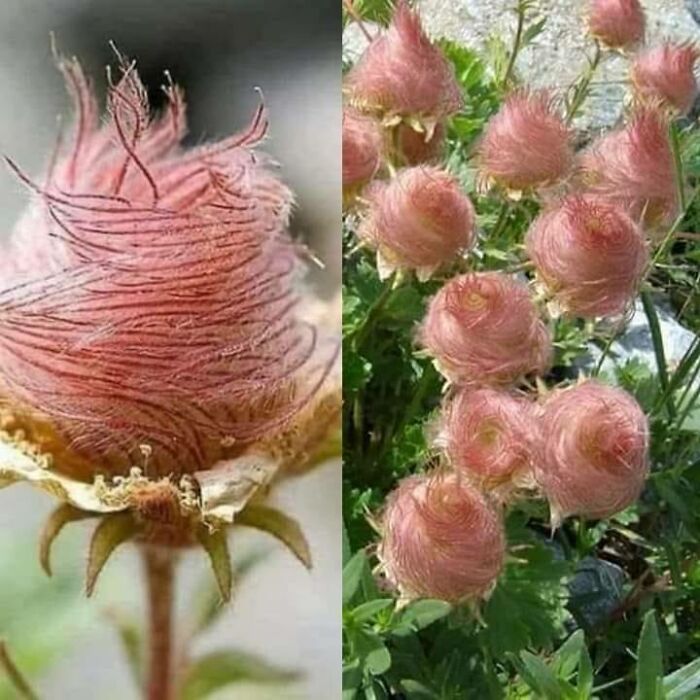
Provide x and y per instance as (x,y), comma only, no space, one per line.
(633,167)
(483,328)
(441,539)
(594,446)
(403,73)
(418,220)
(666,73)
(618,24)
(590,255)
(488,435)
(526,144)
(148,298)
(362,148)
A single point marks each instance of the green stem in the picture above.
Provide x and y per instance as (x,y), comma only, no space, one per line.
(501,222)
(657,341)
(18,681)
(582,88)
(678,166)
(516,45)
(159,566)
(374,312)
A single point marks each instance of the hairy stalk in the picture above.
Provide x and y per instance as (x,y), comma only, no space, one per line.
(159,565)
(19,683)
(350,9)
(517,42)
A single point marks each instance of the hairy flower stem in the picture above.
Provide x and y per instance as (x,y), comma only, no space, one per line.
(517,41)
(159,567)
(581,89)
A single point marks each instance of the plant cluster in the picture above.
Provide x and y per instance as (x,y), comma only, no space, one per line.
(468,320)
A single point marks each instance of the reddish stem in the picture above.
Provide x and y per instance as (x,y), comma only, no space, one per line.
(159,566)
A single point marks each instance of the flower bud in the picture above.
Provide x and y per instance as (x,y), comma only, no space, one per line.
(594,447)
(589,254)
(441,539)
(483,328)
(419,220)
(362,150)
(526,144)
(488,436)
(633,167)
(402,73)
(667,74)
(618,24)
(148,302)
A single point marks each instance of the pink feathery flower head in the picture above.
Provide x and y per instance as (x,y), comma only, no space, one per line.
(666,73)
(526,144)
(488,436)
(441,539)
(589,254)
(618,24)
(483,328)
(363,143)
(418,220)
(402,73)
(633,167)
(594,449)
(148,297)
(416,147)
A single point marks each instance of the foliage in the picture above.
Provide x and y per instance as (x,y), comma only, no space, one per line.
(597,610)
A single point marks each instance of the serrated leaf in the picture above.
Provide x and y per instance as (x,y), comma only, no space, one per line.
(216,546)
(64,514)
(352,575)
(112,531)
(220,669)
(649,660)
(279,525)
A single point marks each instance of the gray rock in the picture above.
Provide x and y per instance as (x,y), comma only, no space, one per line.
(595,590)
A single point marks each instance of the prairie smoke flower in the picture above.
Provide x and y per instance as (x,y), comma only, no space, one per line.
(416,147)
(402,74)
(362,150)
(526,144)
(618,24)
(483,328)
(418,220)
(149,296)
(633,167)
(666,73)
(589,254)
(441,539)
(488,435)
(594,445)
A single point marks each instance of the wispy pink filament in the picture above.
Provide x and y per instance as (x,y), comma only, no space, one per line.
(593,457)
(402,72)
(149,292)
(619,24)
(362,147)
(441,539)
(483,328)
(590,254)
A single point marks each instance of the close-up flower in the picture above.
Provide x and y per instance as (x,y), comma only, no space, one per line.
(525,145)
(617,24)
(363,147)
(419,220)
(667,73)
(441,539)
(594,451)
(483,328)
(488,436)
(403,74)
(590,255)
(633,166)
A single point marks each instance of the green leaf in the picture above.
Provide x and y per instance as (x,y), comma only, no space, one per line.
(417,691)
(215,544)
(279,525)
(422,613)
(371,650)
(585,675)
(112,531)
(678,684)
(352,575)
(543,676)
(649,660)
(221,669)
(366,611)
(533,31)
(568,655)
